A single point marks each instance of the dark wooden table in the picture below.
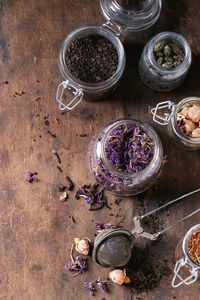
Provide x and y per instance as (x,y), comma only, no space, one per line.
(35,230)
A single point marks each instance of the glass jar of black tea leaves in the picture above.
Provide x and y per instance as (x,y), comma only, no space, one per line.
(165,61)
(92,58)
(126,157)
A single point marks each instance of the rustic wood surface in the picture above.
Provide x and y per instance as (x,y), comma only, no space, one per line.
(35,230)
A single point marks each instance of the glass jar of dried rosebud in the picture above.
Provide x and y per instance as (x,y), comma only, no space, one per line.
(137,18)
(126,157)
(165,61)
(92,61)
(191,262)
(183,120)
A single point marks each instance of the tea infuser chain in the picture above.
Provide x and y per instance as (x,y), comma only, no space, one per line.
(138,230)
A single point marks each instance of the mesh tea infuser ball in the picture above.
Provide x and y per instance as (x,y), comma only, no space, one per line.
(113,247)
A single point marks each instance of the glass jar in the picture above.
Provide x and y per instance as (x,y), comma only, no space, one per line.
(169,118)
(119,21)
(157,77)
(119,182)
(91,91)
(186,262)
(135,17)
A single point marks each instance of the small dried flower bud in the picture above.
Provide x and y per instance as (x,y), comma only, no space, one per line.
(159,46)
(119,276)
(189,126)
(167,50)
(160,60)
(196,132)
(63,197)
(184,112)
(82,246)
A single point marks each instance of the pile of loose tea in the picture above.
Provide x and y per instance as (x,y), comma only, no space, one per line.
(92,58)
(194,246)
(129,149)
(168,54)
(188,120)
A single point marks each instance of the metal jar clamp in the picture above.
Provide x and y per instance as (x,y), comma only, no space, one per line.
(186,262)
(163,119)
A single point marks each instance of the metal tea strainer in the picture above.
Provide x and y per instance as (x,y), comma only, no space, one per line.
(113,247)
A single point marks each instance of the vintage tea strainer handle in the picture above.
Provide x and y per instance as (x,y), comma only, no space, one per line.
(190,279)
(138,230)
(77,93)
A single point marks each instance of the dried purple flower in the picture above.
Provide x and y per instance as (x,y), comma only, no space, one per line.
(31,176)
(91,287)
(103,285)
(129,149)
(93,195)
(79,264)
(101,226)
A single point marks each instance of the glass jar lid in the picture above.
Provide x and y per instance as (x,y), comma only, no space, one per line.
(133,15)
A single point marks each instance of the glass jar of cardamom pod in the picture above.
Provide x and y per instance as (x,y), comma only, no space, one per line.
(165,61)
(186,269)
(126,157)
(182,120)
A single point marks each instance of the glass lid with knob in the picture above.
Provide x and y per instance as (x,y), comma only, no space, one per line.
(133,15)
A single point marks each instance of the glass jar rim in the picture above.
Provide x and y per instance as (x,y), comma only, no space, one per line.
(169,35)
(147,129)
(181,135)
(185,243)
(97,30)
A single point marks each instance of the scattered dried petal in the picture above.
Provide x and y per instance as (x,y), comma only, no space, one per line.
(31,177)
(70,183)
(63,197)
(59,169)
(71,218)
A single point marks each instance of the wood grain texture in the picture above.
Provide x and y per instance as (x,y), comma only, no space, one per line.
(35,231)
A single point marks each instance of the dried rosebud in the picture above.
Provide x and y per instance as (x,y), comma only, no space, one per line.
(194,113)
(189,126)
(82,245)
(119,276)
(196,132)
(184,112)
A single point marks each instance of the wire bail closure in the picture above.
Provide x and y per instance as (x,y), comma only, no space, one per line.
(78,95)
(160,119)
(190,279)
